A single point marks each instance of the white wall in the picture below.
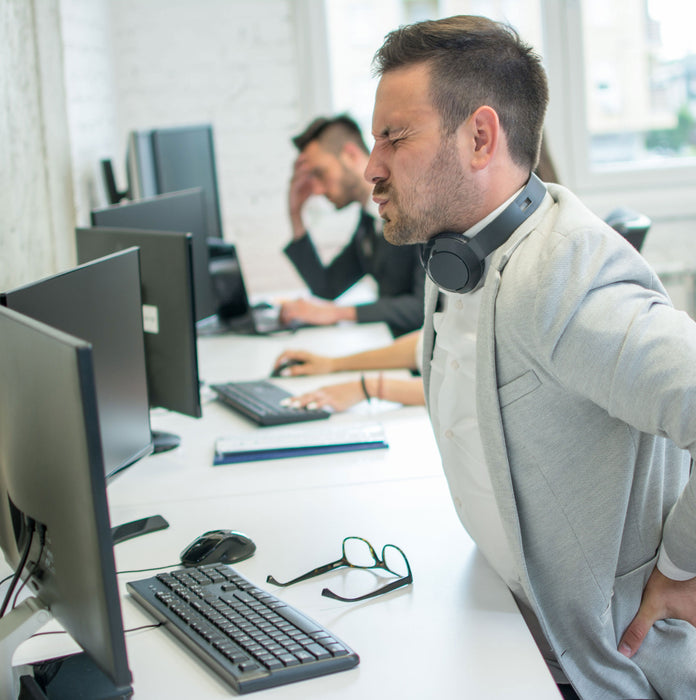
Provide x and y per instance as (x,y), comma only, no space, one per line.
(232,64)
(119,65)
(91,98)
(36,199)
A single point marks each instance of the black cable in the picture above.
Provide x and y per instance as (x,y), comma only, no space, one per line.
(153,568)
(143,627)
(18,572)
(132,629)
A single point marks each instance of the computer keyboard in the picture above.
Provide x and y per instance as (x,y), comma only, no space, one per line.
(249,637)
(261,401)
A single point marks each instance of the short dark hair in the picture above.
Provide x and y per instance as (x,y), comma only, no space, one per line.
(333,133)
(475,61)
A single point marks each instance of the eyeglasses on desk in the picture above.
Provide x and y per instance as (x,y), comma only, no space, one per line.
(358,553)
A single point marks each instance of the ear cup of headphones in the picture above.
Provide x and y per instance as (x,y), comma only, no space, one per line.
(450,262)
(456,263)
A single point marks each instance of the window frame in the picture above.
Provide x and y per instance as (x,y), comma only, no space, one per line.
(664,190)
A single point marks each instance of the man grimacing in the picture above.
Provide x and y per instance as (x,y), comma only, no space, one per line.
(562,389)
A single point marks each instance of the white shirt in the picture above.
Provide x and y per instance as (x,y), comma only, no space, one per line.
(454,417)
(453,413)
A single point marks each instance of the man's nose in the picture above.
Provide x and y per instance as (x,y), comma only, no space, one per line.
(375,171)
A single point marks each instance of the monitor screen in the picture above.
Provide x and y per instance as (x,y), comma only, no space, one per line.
(180,211)
(100,302)
(166,277)
(174,159)
(54,519)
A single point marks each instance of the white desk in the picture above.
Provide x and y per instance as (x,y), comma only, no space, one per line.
(455,632)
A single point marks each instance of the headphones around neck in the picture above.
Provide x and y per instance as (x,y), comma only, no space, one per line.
(456,263)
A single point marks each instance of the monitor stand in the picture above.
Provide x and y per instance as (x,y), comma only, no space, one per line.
(55,679)
(163,442)
(16,627)
(70,677)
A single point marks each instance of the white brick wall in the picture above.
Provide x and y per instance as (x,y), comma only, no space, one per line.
(231,63)
(35,184)
(106,67)
(90,97)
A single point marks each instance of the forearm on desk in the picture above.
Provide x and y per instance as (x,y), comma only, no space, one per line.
(401,354)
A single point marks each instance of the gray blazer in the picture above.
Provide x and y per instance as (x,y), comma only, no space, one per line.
(586,394)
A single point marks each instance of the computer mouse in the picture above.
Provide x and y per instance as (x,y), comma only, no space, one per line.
(218,547)
(278,371)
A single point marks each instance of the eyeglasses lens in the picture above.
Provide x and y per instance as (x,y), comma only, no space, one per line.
(359,553)
(395,560)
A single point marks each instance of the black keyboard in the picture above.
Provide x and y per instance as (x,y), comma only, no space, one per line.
(261,401)
(249,637)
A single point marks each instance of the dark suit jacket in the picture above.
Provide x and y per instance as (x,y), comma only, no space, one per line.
(397,270)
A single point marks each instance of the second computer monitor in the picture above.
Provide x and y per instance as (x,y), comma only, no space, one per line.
(166,277)
(100,302)
(180,211)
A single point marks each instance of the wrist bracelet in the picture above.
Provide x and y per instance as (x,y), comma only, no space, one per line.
(364,387)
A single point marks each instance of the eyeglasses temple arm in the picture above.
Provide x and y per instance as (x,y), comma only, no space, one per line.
(310,574)
(380,591)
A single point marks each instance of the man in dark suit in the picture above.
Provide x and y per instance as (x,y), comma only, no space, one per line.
(332,163)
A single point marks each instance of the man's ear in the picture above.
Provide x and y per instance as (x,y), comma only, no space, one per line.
(484,130)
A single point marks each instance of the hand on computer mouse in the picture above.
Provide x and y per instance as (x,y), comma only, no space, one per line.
(282,370)
(294,363)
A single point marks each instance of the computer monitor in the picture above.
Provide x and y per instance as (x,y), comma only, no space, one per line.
(180,211)
(100,302)
(54,519)
(166,277)
(173,159)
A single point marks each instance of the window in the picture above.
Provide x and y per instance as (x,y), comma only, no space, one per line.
(621,124)
(356,29)
(640,83)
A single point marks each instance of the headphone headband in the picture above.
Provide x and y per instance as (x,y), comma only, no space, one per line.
(456,263)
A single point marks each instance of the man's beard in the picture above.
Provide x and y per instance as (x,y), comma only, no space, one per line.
(431,204)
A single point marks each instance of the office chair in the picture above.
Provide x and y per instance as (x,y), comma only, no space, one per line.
(632,225)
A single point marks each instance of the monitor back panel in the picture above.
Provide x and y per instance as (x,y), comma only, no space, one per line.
(180,211)
(166,275)
(100,303)
(184,157)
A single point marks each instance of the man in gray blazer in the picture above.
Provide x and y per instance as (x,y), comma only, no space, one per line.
(568,450)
